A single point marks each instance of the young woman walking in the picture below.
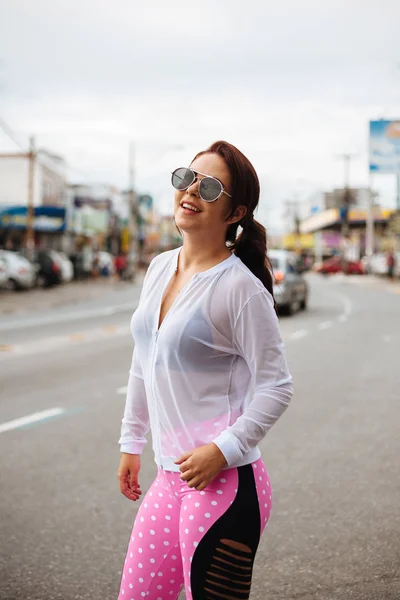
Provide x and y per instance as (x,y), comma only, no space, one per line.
(209,378)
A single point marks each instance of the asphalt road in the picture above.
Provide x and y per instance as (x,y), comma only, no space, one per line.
(333,458)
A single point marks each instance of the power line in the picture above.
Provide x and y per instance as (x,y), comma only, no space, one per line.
(11,134)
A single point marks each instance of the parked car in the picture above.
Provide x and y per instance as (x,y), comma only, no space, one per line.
(334,265)
(290,286)
(3,272)
(20,272)
(49,268)
(66,266)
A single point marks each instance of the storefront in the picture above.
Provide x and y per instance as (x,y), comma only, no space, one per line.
(327,228)
(49,224)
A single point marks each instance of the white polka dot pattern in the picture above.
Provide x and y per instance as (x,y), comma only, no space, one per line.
(179,517)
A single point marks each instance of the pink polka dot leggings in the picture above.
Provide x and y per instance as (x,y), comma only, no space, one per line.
(205,541)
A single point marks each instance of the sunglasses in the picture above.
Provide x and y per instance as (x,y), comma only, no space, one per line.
(210,188)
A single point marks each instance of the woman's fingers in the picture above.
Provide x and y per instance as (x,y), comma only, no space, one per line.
(202,485)
(185,466)
(128,472)
(184,457)
(131,496)
(129,492)
(187,474)
(133,481)
(123,482)
(199,481)
(129,486)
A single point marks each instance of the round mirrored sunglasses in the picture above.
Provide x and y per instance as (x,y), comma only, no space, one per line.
(210,188)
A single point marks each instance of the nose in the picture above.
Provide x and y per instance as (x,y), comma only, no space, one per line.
(193,188)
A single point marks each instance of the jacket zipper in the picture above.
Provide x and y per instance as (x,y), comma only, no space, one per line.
(157,421)
(156,334)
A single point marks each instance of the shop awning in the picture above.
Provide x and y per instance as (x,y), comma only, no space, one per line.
(46,218)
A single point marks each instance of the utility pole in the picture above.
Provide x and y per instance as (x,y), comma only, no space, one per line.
(369,228)
(346,201)
(30,216)
(292,211)
(134,206)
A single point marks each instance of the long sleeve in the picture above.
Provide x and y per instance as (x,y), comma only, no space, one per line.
(135,422)
(257,339)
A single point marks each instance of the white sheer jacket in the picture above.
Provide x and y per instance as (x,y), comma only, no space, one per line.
(215,371)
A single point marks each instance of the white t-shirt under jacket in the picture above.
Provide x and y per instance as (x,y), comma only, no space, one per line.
(215,371)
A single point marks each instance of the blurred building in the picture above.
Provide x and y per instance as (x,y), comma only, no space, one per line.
(327,227)
(359,197)
(48,197)
(169,235)
(335,222)
(99,215)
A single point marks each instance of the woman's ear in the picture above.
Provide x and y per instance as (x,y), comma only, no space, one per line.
(237,215)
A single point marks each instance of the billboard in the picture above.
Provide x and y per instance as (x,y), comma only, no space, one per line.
(384,146)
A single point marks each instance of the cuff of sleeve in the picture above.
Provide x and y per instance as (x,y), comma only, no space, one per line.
(229,446)
(132,447)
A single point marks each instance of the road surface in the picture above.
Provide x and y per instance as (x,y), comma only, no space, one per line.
(333,458)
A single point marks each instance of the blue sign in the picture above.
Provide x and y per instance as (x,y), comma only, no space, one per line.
(46,218)
(384,146)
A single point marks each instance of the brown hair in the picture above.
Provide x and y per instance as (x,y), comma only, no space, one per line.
(251,245)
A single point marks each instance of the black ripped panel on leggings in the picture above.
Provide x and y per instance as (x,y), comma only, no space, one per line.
(240,523)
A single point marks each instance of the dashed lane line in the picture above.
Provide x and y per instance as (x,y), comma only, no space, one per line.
(44,415)
(12,325)
(58,342)
(325,325)
(297,335)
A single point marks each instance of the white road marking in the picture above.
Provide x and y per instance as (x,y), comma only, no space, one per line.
(297,335)
(346,302)
(122,390)
(325,325)
(22,323)
(29,419)
(60,341)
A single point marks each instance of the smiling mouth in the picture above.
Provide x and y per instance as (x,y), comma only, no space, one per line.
(190,207)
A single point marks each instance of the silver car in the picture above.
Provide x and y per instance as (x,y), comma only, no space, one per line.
(3,272)
(290,286)
(20,271)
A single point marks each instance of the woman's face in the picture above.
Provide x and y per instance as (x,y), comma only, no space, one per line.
(212,217)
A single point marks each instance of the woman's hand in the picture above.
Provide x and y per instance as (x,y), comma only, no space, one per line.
(128,471)
(201,465)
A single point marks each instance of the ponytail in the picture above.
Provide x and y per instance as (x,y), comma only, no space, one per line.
(251,247)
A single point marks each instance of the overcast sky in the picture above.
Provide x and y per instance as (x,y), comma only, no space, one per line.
(292,84)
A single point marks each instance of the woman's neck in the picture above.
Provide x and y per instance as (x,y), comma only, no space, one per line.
(201,254)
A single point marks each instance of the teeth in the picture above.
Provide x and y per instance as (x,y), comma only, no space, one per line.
(185,205)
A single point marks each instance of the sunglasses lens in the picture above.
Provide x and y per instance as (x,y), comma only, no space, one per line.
(209,189)
(182,178)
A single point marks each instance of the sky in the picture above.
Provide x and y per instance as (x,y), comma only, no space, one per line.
(292,84)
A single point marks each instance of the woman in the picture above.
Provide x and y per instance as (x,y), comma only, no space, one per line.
(209,378)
